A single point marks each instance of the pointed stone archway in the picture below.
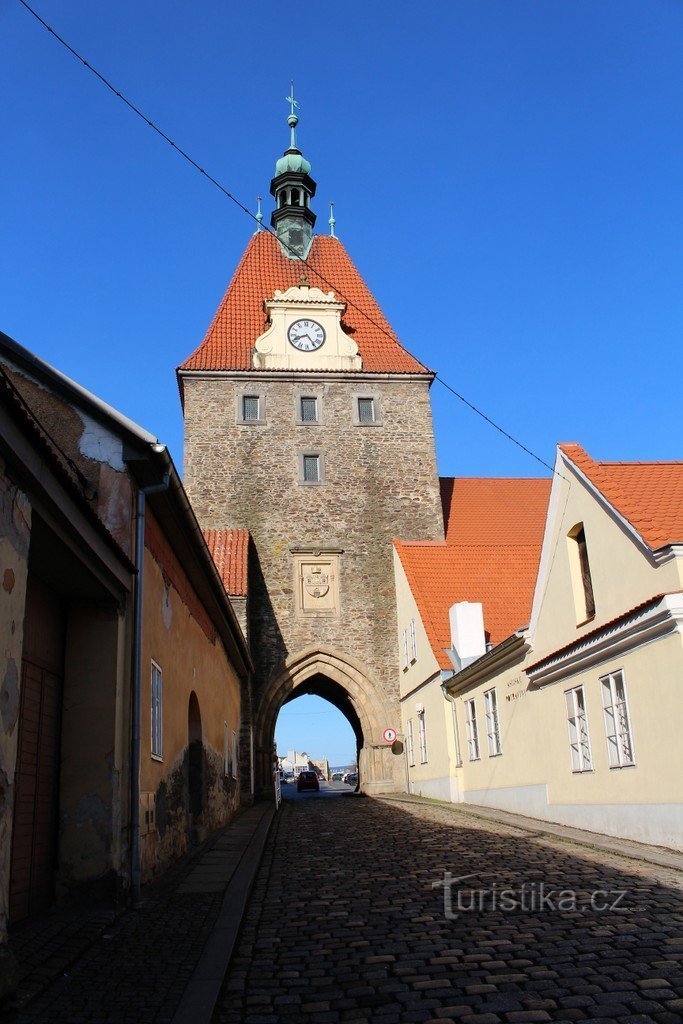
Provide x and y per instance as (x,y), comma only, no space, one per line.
(345,683)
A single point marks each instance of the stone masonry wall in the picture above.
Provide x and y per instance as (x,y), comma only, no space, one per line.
(381,482)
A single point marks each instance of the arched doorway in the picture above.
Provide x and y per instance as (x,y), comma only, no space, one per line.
(195,758)
(346,684)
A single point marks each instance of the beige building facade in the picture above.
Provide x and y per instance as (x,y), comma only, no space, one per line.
(573,716)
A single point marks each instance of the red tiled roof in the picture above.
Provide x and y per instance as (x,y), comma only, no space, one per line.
(647,494)
(501,578)
(483,510)
(494,532)
(229,549)
(241,318)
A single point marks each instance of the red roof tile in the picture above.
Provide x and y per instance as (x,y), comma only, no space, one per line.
(501,578)
(229,549)
(649,495)
(241,318)
(494,532)
(483,510)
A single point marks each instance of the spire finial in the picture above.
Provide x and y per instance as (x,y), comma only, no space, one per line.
(332,221)
(292,120)
(259,215)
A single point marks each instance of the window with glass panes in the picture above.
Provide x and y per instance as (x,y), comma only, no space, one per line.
(157,712)
(617,720)
(411,743)
(577,723)
(311,468)
(366,410)
(309,410)
(422,729)
(250,407)
(492,722)
(472,730)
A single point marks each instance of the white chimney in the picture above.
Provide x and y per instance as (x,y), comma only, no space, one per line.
(467,631)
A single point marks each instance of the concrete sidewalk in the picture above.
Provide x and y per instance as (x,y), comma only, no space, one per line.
(577,836)
(164,962)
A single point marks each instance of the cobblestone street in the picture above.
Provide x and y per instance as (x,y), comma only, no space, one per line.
(345,925)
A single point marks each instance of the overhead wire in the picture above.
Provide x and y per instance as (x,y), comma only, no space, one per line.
(233,198)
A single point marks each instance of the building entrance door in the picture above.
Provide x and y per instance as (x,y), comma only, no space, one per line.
(34,835)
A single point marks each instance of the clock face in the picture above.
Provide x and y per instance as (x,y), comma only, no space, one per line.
(306,335)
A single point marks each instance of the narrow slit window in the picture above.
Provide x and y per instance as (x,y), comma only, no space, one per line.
(366,410)
(309,410)
(157,712)
(251,407)
(311,468)
(582,580)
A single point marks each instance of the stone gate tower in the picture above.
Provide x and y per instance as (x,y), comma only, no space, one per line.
(308,424)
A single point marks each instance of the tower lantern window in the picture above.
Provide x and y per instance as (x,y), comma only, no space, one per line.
(296,199)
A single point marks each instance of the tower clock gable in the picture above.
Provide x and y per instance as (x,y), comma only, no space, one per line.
(305,333)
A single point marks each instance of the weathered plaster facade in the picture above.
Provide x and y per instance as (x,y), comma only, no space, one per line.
(15,533)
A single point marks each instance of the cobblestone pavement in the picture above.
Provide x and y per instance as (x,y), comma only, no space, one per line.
(344,925)
(137,970)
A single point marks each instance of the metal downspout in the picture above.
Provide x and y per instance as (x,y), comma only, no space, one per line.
(135,866)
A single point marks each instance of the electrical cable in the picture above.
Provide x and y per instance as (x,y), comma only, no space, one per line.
(229,195)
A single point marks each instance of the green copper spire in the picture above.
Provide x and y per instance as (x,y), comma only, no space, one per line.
(292,159)
(259,215)
(332,221)
(293,188)
(292,120)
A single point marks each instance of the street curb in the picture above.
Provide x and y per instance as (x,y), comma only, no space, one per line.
(201,995)
(628,848)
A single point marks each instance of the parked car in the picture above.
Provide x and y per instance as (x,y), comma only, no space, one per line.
(307,780)
(337,777)
(352,778)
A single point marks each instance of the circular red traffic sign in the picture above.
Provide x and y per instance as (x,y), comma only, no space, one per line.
(389,735)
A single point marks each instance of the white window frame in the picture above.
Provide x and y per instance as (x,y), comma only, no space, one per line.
(157,711)
(492,722)
(404,646)
(411,744)
(580,751)
(618,731)
(235,753)
(473,748)
(413,641)
(422,736)
(226,750)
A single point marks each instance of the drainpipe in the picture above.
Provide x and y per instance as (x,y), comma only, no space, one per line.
(451,700)
(141,506)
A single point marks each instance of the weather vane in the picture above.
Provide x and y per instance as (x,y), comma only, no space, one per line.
(292,120)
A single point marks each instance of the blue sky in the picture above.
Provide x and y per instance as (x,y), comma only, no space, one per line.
(507,176)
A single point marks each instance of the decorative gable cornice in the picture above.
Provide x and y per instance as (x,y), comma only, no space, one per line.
(653,620)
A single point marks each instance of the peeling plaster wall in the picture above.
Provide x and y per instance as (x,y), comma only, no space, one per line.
(15,534)
(190,662)
(96,451)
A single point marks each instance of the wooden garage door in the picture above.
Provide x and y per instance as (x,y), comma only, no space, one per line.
(34,834)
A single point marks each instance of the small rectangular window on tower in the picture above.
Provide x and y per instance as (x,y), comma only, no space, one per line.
(309,410)
(366,410)
(311,469)
(250,407)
